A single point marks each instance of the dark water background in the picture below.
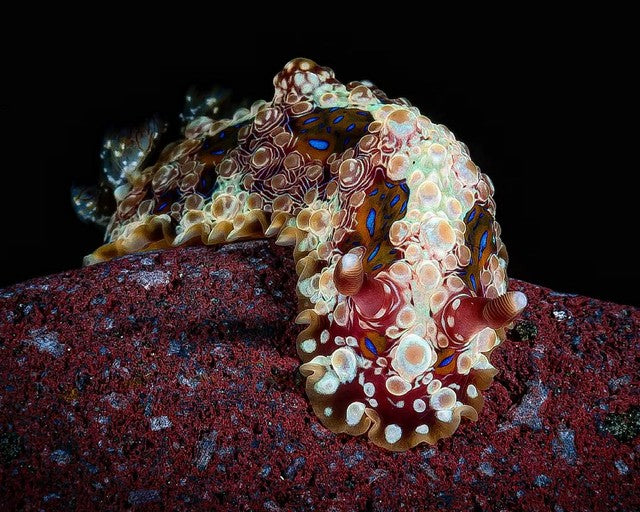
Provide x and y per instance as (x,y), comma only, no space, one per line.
(542,114)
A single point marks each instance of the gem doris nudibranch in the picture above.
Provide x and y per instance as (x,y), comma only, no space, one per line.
(402,281)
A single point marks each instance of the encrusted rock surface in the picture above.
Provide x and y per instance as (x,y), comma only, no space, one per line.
(169,381)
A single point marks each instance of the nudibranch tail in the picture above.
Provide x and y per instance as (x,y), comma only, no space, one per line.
(402,280)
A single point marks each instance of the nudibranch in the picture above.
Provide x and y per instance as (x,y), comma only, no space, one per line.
(402,274)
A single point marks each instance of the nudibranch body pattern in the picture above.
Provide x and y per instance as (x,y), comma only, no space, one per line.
(402,274)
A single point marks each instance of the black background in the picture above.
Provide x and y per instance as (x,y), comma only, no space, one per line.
(543,113)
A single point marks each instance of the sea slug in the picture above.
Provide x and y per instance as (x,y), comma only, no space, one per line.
(402,274)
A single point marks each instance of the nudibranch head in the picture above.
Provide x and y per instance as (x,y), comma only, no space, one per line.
(402,273)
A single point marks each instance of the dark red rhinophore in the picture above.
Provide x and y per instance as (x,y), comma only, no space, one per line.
(465,316)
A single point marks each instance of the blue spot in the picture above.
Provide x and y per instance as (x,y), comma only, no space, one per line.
(346,141)
(369,344)
(389,185)
(371,221)
(304,131)
(338,119)
(318,144)
(379,265)
(483,241)
(351,127)
(446,361)
(387,217)
(222,134)
(311,120)
(328,129)
(404,207)
(366,126)
(162,206)
(333,109)
(394,201)
(404,187)
(393,251)
(374,252)
(472,278)
(373,192)
(471,216)
(218,152)
(361,113)
(383,196)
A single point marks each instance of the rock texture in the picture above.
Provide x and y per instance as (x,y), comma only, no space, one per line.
(169,381)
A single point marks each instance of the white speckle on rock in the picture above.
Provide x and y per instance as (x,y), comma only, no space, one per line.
(60,457)
(159,423)
(142,496)
(542,480)
(564,445)
(46,341)
(486,469)
(151,278)
(560,315)
(616,384)
(526,412)
(115,400)
(205,449)
(622,468)
(103,420)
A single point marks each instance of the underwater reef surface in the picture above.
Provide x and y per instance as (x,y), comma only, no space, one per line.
(170,381)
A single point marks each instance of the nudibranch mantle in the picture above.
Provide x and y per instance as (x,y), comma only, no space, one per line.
(402,274)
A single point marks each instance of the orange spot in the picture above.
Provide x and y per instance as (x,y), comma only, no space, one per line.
(336,129)
(369,340)
(388,211)
(451,363)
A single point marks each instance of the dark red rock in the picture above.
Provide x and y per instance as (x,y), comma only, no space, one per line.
(169,381)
